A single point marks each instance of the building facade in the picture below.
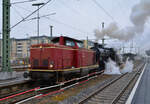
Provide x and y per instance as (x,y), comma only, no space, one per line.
(20,48)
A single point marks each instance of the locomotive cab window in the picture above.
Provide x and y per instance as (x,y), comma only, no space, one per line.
(56,41)
(70,43)
(80,45)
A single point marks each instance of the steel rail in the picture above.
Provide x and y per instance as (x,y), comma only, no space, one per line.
(82,101)
(124,89)
(101,89)
(39,90)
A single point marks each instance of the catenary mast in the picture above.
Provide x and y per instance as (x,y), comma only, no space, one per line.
(6,36)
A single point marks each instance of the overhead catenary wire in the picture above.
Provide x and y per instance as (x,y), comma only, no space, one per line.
(30,14)
(39,17)
(23,1)
(67,25)
(78,13)
(105,11)
(101,7)
(70,8)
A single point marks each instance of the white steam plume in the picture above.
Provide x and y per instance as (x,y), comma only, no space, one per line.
(139,16)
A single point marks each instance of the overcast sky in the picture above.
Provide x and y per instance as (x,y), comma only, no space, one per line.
(74,18)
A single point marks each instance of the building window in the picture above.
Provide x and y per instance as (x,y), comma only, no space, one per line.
(19,54)
(19,46)
(19,43)
(19,51)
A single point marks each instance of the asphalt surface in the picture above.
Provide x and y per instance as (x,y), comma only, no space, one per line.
(142,94)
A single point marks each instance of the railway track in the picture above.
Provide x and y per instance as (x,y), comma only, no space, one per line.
(113,92)
(41,92)
(14,88)
(27,95)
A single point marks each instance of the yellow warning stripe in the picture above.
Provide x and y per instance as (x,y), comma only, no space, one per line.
(93,66)
(60,48)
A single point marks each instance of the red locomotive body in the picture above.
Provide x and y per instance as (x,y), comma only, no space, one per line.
(66,55)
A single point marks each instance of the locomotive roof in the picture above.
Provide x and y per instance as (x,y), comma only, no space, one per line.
(65,37)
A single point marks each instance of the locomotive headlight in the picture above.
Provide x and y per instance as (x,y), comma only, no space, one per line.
(29,65)
(40,46)
(51,64)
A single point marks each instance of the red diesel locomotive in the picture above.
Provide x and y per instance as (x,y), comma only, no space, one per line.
(65,58)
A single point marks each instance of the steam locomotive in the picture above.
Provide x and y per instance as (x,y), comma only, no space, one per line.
(66,58)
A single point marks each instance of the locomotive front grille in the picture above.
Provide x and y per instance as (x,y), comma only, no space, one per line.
(45,63)
(35,63)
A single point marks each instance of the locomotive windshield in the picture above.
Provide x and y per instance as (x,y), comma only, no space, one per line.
(55,41)
(80,45)
(70,43)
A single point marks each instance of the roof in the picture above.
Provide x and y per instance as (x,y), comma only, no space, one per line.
(65,37)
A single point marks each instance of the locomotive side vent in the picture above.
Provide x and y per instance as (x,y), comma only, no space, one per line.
(45,62)
(35,62)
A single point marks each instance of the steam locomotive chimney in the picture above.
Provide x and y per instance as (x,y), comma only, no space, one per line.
(96,45)
(103,37)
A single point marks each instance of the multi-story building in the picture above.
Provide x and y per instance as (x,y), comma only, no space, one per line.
(20,48)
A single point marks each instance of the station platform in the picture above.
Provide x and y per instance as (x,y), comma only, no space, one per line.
(19,79)
(141,91)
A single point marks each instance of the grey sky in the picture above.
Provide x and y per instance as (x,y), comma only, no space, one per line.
(74,18)
(81,17)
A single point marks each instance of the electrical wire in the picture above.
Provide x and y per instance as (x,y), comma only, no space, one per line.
(23,1)
(101,7)
(107,13)
(70,8)
(74,10)
(30,14)
(67,25)
(40,17)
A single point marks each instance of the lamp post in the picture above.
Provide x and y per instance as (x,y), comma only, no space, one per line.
(38,5)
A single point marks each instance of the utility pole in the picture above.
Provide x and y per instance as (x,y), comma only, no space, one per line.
(6,37)
(38,19)
(51,33)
